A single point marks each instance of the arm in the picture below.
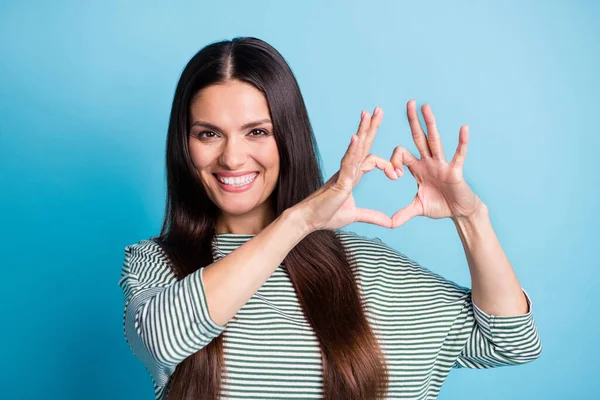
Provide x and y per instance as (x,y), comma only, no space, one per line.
(495,288)
(167,320)
(497,341)
(231,281)
(511,336)
(504,332)
(443,192)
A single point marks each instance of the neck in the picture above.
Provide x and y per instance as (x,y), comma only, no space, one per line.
(251,222)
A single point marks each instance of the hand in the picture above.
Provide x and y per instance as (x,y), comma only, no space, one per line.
(442,190)
(332,206)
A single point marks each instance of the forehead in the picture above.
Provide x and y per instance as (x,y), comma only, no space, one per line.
(229,104)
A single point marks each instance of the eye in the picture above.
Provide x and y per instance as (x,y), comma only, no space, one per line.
(206,134)
(258,132)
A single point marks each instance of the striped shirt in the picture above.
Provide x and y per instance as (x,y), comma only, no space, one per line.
(425,325)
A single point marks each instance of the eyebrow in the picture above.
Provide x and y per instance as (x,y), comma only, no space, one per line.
(245,126)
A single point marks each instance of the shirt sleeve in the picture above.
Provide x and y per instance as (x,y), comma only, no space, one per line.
(474,339)
(165,319)
(499,340)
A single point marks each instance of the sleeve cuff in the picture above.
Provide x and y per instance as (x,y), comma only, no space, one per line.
(488,322)
(201,305)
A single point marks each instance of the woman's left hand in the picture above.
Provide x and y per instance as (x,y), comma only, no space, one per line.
(442,189)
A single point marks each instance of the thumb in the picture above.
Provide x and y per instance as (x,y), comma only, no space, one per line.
(407,213)
(373,217)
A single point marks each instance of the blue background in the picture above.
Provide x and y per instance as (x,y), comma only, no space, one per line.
(85,94)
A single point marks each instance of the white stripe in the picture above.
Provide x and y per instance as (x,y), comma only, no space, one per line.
(425,324)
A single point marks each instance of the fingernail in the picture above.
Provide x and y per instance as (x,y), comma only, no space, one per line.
(399,172)
(362,115)
(376,110)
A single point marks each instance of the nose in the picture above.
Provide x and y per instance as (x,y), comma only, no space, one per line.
(234,154)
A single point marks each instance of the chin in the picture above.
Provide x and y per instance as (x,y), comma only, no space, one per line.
(236,209)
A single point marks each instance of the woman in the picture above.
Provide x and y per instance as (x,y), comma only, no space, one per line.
(253,291)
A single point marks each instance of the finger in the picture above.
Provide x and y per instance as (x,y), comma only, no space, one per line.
(373,128)
(363,131)
(355,154)
(400,157)
(407,213)
(461,150)
(347,172)
(363,126)
(373,217)
(433,136)
(372,161)
(416,129)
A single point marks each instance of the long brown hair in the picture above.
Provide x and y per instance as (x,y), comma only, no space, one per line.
(318,266)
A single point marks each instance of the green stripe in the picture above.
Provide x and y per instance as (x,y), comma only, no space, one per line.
(425,325)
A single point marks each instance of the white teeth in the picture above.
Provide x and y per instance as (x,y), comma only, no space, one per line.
(238,181)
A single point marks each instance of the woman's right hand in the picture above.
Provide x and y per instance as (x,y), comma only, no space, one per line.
(332,206)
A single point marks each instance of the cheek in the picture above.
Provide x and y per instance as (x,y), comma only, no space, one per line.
(273,168)
(270,155)
(199,156)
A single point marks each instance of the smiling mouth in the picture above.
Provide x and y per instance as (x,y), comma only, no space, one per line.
(237,181)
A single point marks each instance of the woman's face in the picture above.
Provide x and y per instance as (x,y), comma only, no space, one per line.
(232,147)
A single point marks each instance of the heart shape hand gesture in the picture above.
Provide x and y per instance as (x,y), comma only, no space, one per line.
(442,190)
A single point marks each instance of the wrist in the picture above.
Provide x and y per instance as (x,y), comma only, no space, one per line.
(480,212)
(474,227)
(295,220)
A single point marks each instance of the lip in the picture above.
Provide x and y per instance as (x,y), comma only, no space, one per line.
(236,189)
(234,174)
